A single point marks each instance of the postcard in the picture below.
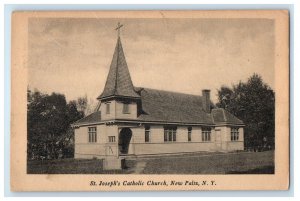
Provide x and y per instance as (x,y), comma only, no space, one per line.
(150,100)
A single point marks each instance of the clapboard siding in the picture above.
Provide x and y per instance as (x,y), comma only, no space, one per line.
(89,150)
(132,111)
(170,147)
(156,145)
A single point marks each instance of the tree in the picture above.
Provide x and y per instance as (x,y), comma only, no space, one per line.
(254,103)
(48,123)
(91,106)
(82,104)
(86,106)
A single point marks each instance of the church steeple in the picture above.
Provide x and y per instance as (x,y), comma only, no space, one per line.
(118,83)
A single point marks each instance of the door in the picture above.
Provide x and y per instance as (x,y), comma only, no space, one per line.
(124,140)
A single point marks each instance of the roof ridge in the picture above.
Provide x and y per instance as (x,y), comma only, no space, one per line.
(175,92)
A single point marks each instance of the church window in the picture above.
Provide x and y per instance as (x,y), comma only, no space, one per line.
(147,133)
(111,138)
(107,108)
(170,134)
(234,134)
(189,134)
(206,134)
(92,134)
(126,108)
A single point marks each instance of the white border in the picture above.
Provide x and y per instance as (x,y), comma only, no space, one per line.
(243,5)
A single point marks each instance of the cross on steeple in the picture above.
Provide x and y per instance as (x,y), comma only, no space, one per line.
(118,28)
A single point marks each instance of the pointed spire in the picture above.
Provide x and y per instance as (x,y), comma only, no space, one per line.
(118,83)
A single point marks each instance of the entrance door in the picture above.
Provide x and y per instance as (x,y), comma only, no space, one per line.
(124,140)
(218,140)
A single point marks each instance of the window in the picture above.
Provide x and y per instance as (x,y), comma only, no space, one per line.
(170,134)
(126,108)
(234,134)
(189,134)
(206,134)
(147,133)
(107,108)
(111,138)
(92,134)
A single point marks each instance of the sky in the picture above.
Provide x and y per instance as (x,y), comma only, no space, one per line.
(72,56)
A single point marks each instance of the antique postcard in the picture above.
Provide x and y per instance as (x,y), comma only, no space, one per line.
(150,100)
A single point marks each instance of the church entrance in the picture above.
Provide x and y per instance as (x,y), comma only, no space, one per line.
(124,140)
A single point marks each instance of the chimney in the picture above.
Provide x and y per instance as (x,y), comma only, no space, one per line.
(206,100)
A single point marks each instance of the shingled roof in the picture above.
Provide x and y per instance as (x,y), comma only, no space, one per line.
(166,106)
(91,118)
(118,82)
(156,105)
(221,115)
(172,107)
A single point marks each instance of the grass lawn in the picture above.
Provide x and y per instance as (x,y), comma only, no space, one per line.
(74,166)
(230,163)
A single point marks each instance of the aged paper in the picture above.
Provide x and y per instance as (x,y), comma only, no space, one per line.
(141,73)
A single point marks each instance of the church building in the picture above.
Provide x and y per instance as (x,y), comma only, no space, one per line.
(136,121)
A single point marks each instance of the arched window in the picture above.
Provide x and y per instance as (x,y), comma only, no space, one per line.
(126,109)
(206,134)
(189,134)
(170,133)
(107,108)
(147,133)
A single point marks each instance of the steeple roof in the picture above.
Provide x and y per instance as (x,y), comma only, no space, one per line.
(118,83)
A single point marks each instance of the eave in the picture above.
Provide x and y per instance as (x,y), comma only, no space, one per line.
(114,121)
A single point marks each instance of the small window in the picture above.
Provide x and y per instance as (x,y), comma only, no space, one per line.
(107,108)
(126,108)
(206,134)
(234,134)
(111,138)
(189,134)
(92,134)
(170,134)
(147,133)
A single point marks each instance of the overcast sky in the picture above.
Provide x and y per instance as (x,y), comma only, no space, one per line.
(72,56)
